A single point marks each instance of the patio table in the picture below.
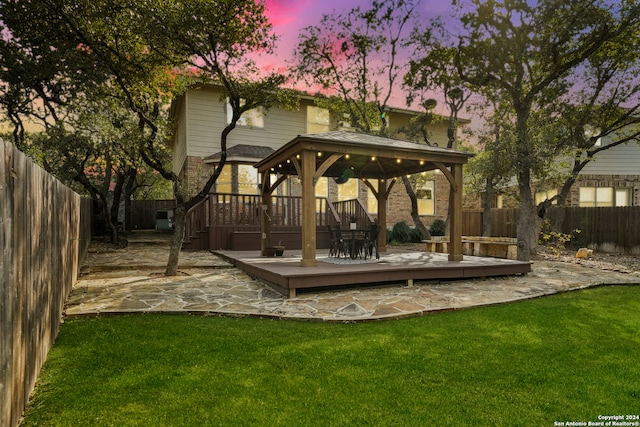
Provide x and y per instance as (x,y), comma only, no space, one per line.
(358,238)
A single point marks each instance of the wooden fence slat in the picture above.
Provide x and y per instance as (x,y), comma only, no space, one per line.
(45,230)
(606,229)
(7,318)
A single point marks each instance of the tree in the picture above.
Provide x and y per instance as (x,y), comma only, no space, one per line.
(146,53)
(436,72)
(492,169)
(355,57)
(600,113)
(524,54)
(218,45)
(94,150)
(59,69)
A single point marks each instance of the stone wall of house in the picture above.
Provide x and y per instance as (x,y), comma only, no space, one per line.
(399,208)
(195,173)
(510,199)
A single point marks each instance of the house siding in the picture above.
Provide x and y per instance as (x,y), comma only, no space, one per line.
(206,118)
(623,159)
(179,142)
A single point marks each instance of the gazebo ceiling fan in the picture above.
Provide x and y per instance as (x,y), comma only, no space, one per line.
(344,176)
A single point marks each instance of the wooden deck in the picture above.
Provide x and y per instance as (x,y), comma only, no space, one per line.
(287,275)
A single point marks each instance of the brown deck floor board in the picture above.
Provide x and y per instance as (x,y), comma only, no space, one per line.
(287,274)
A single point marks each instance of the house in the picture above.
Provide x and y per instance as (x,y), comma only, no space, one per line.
(201,113)
(611,179)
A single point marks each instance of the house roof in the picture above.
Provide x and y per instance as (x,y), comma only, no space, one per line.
(365,156)
(242,153)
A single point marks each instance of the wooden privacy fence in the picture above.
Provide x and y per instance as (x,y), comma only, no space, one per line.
(604,229)
(611,229)
(143,212)
(45,230)
(503,222)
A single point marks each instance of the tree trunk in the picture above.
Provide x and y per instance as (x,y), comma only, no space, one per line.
(529,222)
(109,225)
(117,197)
(486,208)
(128,192)
(414,208)
(179,218)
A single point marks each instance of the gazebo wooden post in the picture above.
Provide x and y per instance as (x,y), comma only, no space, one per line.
(308,209)
(455,227)
(382,214)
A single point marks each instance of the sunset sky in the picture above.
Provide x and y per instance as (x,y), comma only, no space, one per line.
(289,17)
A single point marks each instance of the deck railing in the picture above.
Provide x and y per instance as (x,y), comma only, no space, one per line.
(243,210)
(353,208)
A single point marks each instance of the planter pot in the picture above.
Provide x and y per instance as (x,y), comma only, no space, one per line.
(279,250)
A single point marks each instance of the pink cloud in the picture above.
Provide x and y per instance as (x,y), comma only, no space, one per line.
(284,12)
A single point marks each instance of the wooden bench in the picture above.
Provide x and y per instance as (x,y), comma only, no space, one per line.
(497,247)
(437,245)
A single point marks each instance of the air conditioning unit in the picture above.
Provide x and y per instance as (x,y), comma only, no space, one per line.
(164,220)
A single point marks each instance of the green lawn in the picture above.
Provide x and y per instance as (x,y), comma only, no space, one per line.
(568,357)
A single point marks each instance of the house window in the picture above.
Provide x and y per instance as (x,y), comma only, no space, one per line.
(247,179)
(596,197)
(372,202)
(223,183)
(604,196)
(322,190)
(317,119)
(348,190)
(623,197)
(252,118)
(425,192)
(541,196)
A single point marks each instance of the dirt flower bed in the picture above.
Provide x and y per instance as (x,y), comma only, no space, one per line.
(599,260)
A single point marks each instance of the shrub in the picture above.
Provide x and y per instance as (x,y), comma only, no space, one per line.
(437,228)
(554,241)
(401,232)
(416,236)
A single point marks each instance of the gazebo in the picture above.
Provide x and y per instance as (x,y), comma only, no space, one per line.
(359,156)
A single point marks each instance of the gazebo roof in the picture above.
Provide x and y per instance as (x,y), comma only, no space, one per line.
(365,156)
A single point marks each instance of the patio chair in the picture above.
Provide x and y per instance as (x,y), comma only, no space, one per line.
(336,247)
(372,242)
